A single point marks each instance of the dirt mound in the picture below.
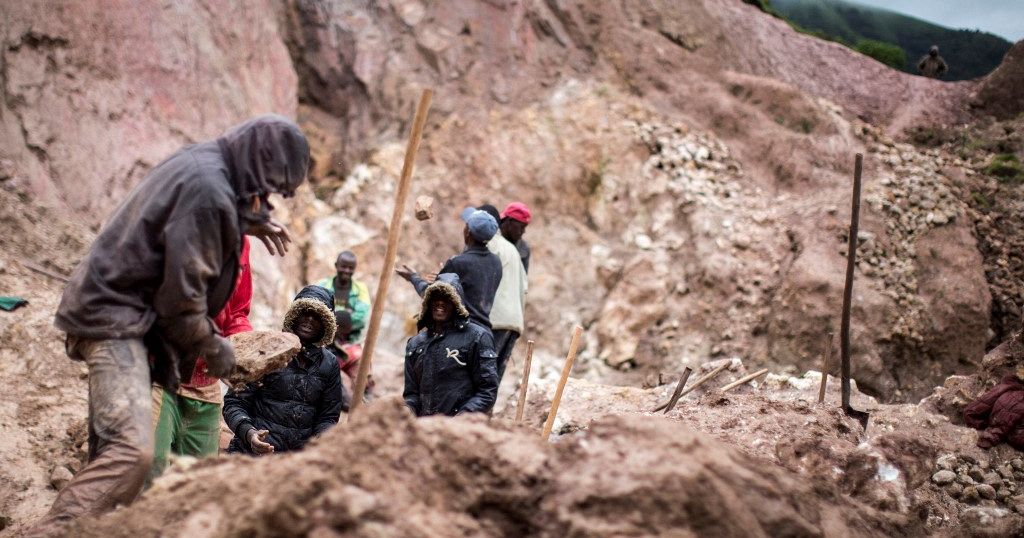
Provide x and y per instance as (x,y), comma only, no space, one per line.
(999,94)
(465,477)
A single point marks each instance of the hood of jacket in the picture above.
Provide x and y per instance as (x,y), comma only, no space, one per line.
(318,301)
(449,286)
(264,155)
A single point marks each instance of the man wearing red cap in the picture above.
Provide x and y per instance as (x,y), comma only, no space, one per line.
(514,220)
(510,300)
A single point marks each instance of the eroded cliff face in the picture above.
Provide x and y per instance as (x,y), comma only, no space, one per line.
(692,189)
(689,165)
(96,93)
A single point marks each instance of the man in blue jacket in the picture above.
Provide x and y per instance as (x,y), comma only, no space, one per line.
(450,365)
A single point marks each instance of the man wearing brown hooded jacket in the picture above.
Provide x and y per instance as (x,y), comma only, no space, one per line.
(161,268)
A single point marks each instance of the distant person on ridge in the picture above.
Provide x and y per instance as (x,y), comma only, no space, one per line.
(349,293)
(478,269)
(138,309)
(932,65)
(450,364)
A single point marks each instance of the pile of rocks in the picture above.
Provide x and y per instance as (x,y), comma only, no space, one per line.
(978,482)
(912,195)
(694,161)
(695,171)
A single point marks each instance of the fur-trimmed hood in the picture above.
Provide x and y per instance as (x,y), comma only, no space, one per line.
(448,285)
(318,301)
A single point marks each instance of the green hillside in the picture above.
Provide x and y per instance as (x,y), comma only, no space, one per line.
(969,53)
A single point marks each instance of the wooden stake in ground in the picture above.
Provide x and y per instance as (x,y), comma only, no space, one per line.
(46,272)
(707,377)
(678,392)
(569,359)
(744,379)
(526,381)
(419,121)
(825,356)
(844,329)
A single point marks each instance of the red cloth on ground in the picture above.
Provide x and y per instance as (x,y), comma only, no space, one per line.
(233,319)
(999,413)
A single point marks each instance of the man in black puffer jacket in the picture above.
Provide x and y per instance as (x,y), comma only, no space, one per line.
(450,365)
(282,411)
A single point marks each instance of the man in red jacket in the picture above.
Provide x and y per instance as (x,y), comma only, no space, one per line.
(188,422)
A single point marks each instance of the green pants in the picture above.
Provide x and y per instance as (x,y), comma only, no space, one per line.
(185,427)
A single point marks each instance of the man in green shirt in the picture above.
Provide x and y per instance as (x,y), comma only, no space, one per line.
(349,294)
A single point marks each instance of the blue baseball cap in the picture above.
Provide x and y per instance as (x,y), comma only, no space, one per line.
(482,225)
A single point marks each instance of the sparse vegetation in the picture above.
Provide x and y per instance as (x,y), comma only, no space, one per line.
(887,53)
(1007,168)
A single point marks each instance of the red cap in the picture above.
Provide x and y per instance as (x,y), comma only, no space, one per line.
(517,211)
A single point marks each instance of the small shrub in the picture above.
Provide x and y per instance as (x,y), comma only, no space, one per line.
(887,53)
(981,201)
(1007,168)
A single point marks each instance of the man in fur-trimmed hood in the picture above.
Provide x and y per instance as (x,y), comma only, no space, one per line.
(282,411)
(450,365)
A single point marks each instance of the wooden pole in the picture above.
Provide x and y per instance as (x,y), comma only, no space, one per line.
(825,356)
(851,261)
(526,381)
(678,392)
(574,345)
(744,379)
(419,121)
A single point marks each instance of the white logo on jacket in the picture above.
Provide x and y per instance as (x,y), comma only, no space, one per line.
(454,354)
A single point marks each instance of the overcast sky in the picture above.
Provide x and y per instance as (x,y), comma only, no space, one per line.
(1001,17)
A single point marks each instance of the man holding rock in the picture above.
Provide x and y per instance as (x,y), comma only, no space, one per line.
(188,422)
(164,264)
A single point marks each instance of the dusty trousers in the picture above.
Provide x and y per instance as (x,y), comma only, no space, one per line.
(120,430)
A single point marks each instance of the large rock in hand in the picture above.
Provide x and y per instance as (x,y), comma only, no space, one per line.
(257,353)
